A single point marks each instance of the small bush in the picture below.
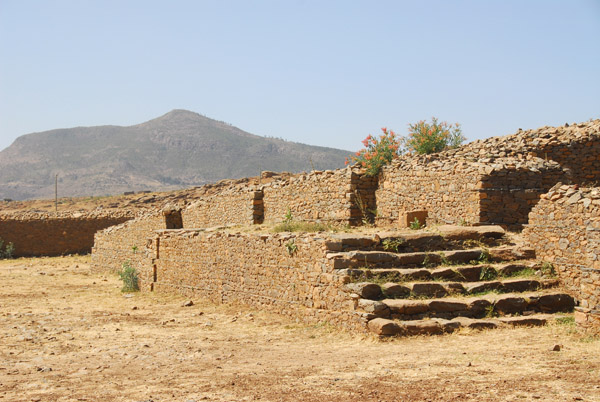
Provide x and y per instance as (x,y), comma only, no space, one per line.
(547,269)
(488,274)
(291,246)
(425,138)
(6,251)
(377,152)
(129,276)
(416,225)
(393,244)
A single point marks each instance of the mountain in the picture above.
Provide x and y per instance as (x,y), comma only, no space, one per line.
(177,150)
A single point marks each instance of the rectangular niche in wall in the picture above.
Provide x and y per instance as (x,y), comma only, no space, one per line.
(173,219)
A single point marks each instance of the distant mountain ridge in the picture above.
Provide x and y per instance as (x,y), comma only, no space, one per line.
(179,149)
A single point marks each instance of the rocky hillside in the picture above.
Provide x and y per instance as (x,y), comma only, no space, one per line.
(180,149)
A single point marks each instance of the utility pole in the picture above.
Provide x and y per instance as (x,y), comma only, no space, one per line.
(56,193)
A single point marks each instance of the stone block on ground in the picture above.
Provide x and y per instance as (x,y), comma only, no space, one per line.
(406,218)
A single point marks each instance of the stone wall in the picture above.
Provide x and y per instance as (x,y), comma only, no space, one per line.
(228,202)
(129,242)
(511,187)
(342,196)
(284,273)
(51,234)
(576,147)
(564,229)
(497,180)
(494,191)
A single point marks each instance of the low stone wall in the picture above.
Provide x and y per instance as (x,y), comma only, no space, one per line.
(129,242)
(48,234)
(284,273)
(225,203)
(344,196)
(564,228)
(489,191)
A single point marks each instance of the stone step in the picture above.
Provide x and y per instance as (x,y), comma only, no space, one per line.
(385,259)
(441,238)
(437,326)
(419,290)
(454,273)
(472,307)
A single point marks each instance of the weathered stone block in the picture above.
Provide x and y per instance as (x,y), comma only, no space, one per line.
(406,218)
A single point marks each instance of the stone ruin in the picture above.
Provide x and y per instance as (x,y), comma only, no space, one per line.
(520,181)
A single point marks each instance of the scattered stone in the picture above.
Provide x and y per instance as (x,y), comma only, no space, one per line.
(188,303)
(556,348)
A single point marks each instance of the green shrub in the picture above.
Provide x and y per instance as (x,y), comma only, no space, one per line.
(487,274)
(6,251)
(377,152)
(425,138)
(291,247)
(393,244)
(547,269)
(416,225)
(129,276)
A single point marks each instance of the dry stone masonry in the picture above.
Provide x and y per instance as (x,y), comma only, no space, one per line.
(564,228)
(51,234)
(463,191)
(226,202)
(339,196)
(497,180)
(322,276)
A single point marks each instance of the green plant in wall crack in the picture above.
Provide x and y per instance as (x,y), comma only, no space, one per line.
(490,311)
(134,248)
(291,247)
(393,244)
(547,269)
(288,217)
(128,274)
(487,274)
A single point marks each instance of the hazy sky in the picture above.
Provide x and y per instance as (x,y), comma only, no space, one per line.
(322,72)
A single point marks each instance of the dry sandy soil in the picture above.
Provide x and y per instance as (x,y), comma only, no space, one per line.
(67,334)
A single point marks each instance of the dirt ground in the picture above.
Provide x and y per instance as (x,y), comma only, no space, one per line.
(67,334)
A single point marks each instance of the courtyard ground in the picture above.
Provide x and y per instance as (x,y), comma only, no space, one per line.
(67,334)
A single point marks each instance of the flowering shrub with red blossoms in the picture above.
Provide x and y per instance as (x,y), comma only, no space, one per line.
(377,152)
(425,138)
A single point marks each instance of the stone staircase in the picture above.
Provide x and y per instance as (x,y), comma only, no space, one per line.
(443,279)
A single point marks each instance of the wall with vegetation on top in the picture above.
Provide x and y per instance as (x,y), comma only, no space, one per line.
(500,191)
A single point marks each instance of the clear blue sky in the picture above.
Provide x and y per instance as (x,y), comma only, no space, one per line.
(323,72)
